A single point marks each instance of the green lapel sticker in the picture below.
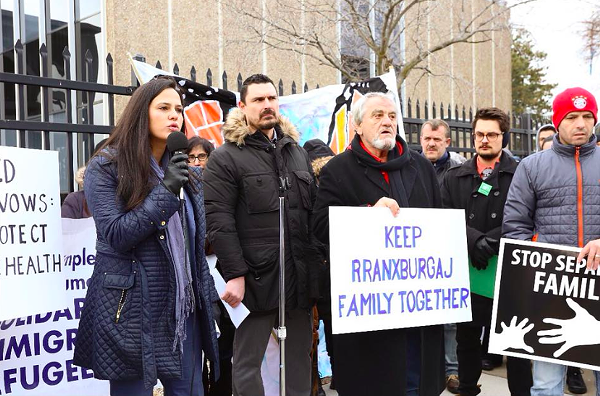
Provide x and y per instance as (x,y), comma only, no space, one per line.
(485,189)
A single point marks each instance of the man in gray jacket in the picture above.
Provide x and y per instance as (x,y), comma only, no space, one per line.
(555,194)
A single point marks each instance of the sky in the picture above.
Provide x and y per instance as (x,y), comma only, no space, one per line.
(555,26)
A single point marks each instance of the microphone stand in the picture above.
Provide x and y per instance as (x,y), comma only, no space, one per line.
(281,330)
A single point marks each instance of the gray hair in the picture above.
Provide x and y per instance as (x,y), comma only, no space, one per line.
(435,124)
(358,110)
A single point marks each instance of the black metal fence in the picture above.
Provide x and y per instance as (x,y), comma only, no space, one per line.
(84,125)
(522,137)
(523,128)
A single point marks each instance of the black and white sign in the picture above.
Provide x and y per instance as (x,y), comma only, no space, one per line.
(30,233)
(546,305)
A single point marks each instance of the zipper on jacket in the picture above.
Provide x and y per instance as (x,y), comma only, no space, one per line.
(121,304)
(579,199)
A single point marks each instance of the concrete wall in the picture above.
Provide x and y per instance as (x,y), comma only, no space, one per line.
(470,75)
(205,34)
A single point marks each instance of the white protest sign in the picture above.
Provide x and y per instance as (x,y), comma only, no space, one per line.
(391,272)
(36,351)
(30,232)
(237,314)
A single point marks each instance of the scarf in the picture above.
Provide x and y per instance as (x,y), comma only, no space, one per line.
(184,292)
(393,166)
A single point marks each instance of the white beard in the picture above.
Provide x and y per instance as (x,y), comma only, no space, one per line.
(386,144)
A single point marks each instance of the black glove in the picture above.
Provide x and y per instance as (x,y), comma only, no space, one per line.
(484,250)
(177,173)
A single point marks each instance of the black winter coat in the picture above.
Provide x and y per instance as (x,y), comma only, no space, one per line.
(483,214)
(243,181)
(374,363)
(133,265)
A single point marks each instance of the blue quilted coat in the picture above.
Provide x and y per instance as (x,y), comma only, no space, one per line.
(127,325)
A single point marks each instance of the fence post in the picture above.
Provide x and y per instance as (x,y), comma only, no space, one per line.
(45,97)
(90,102)
(20,91)
(224,77)
(239,81)
(193,74)
(111,97)
(209,77)
(529,131)
(70,155)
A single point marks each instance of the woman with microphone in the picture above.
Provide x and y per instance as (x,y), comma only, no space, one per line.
(147,313)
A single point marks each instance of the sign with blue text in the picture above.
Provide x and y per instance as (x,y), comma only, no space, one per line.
(546,305)
(30,232)
(393,272)
(36,351)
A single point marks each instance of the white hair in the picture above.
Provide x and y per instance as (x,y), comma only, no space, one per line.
(358,111)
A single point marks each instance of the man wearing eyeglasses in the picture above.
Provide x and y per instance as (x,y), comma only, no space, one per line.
(555,196)
(480,186)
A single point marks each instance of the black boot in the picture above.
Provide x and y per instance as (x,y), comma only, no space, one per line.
(575,381)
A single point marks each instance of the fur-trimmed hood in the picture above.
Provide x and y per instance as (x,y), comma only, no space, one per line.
(235,129)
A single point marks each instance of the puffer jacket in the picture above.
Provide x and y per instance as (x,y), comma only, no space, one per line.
(556,195)
(134,274)
(243,181)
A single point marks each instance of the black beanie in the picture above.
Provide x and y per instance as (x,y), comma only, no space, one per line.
(316,148)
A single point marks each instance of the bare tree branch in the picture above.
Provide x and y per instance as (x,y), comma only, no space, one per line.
(319,39)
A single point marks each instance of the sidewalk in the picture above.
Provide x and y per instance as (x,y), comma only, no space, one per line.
(493,383)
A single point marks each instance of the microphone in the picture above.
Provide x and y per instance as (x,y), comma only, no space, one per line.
(176,144)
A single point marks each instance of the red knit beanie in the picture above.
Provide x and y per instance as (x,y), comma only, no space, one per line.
(573,99)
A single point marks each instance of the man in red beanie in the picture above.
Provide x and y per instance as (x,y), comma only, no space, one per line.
(547,197)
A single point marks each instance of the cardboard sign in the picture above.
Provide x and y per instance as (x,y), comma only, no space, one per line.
(546,305)
(37,350)
(392,272)
(30,233)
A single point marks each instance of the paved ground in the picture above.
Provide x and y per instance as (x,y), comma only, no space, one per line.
(493,383)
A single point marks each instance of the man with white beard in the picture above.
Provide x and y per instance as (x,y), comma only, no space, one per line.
(378,169)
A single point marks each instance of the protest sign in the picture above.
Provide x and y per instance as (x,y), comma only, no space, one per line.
(30,233)
(321,113)
(546,305)
(36,351)
(391,272)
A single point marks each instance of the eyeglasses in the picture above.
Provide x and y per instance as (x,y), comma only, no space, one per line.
(200,157)
(491,136)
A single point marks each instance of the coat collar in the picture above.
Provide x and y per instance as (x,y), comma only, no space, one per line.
(236,130)
(569,151)
(507,165)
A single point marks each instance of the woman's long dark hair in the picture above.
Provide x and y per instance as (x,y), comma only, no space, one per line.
(131,141)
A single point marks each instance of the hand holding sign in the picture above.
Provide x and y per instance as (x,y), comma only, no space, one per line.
(583,329)
(385,202)
(592,251)
(513,335)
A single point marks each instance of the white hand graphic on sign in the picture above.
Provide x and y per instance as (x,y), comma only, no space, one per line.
(583,329)
(513,335)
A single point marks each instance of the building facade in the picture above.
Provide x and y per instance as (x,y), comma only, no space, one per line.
(225,36)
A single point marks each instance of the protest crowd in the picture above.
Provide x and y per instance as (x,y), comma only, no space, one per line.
(152,311)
